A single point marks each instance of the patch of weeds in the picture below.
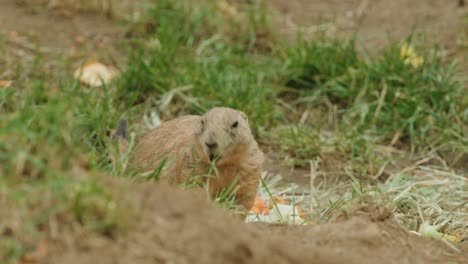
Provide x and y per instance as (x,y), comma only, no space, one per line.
(437,200)
(194,52)
(35,134)
(298,142)
(386,95)
(417,194)
(50,137)
(322,69)
(366,161)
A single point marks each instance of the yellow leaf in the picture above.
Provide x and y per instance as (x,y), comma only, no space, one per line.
(409,56)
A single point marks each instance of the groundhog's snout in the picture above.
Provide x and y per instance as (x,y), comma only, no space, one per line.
(212,147)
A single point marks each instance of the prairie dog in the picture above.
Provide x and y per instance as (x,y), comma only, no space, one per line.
(219,143)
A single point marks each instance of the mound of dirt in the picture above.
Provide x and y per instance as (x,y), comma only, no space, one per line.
(177,226)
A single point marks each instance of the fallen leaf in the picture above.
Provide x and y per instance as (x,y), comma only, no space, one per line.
(94,73)
(5,83)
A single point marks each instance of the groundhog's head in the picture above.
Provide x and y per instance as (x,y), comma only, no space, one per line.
(223,134)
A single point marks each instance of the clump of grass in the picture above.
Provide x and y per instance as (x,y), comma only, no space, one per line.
(195,52)
(365,104)
(322,68)
(386,98)
(52,137)
(385,95)
(414,195)
(300,143)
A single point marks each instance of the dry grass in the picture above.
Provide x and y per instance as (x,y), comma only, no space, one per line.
(425,191)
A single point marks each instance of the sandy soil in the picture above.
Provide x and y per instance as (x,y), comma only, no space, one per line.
(179,226)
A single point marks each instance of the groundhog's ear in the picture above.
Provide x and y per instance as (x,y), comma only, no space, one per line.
(244,116)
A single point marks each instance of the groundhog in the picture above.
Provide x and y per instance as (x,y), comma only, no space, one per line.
(217,146)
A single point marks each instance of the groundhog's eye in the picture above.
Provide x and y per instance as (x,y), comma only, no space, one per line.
(234,125)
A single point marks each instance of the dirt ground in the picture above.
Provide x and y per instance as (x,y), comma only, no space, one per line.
(58,34)
(182,227)
(179,226)
(376,22)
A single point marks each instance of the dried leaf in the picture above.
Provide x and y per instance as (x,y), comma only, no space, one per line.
(95,74)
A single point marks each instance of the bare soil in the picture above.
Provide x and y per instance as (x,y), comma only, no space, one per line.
(375,22)
(57,34)
(175,226)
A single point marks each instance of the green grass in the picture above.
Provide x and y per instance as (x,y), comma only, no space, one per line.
(304,100)
(195,52)
(380,97)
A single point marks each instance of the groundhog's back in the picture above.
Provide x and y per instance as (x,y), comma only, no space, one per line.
(171,139)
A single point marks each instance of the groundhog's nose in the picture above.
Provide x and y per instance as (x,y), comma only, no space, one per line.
(211,146)
(211,149)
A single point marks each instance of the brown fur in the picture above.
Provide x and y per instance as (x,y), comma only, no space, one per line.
(182,143)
